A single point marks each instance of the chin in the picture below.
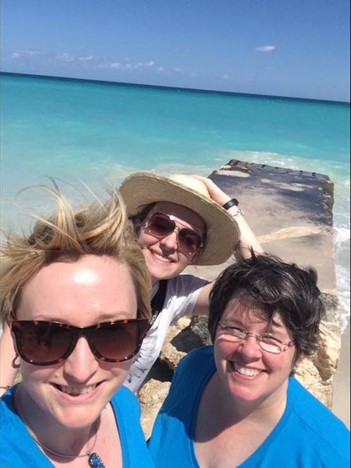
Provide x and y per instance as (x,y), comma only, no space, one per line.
(78,418)
(242,392)
(162,273)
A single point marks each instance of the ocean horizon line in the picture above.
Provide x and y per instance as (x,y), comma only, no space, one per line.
(173,88)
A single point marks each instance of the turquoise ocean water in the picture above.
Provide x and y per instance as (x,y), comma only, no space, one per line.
(100,132)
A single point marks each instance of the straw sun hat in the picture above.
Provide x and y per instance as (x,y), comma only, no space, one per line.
(222,233)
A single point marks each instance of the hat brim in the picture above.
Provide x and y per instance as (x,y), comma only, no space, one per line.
(143,188)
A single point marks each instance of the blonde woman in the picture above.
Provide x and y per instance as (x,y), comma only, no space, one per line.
(75,295)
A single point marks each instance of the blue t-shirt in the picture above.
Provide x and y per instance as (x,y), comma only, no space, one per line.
(308,435)
(18,449)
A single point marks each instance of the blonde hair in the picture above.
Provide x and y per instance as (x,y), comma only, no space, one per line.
(94,229)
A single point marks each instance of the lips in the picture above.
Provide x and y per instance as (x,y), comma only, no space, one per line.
(161,258)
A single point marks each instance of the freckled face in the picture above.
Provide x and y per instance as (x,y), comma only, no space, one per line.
(81,293)
(163,257)
(247,372)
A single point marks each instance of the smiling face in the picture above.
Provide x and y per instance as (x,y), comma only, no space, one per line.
(163,256)
(81,293)
(247,372)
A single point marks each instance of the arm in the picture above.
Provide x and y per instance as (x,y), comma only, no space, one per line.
(247,238)
(7,356)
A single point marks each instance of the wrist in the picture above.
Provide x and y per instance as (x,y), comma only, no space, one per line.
(230,203)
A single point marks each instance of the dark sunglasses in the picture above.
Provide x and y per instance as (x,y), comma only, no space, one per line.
(161,225)
(45,343)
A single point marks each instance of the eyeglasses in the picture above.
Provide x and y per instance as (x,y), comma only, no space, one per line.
(45,343)
(266,341)
(161,225)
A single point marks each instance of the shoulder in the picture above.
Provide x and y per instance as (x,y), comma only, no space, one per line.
(182,294)
(127,413)
(171,442)
(185,283)
(324,429)
(125,399)
(8,414)
(197,366)
(198,357)
(21,451)
(318,416)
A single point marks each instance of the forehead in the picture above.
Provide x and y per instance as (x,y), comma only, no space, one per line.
(238,310)
(79,292)
(181,213)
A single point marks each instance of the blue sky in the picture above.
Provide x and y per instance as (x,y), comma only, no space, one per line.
(297,48)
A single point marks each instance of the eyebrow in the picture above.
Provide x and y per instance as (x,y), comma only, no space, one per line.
(105,317)
(278,326)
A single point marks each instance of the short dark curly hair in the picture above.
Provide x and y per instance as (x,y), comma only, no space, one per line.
(269,285)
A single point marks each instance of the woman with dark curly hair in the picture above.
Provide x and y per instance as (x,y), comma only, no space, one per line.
(236,403)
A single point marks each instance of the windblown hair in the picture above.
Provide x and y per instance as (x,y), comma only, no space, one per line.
(266,285)
(93,229)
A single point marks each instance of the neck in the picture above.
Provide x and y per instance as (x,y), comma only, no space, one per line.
(44,429)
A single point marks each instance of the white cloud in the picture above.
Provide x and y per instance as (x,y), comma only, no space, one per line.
(65,57)
(86,59)
(225,77)
(128,65)
(123,65)
(266,48)
(29,53)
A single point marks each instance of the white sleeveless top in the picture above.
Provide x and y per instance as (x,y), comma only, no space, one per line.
(180,300)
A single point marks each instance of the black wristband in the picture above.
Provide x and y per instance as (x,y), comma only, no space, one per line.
(230,203)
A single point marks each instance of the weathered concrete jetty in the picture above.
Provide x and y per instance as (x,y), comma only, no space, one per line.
(291,214)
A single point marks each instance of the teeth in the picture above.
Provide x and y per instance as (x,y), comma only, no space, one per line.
(160,257)
(75,391)
(246,371)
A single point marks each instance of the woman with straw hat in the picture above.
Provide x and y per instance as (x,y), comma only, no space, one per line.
(180,220)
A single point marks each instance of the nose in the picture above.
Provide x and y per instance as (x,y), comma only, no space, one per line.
(170,241)
(81,364)
(249,347)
